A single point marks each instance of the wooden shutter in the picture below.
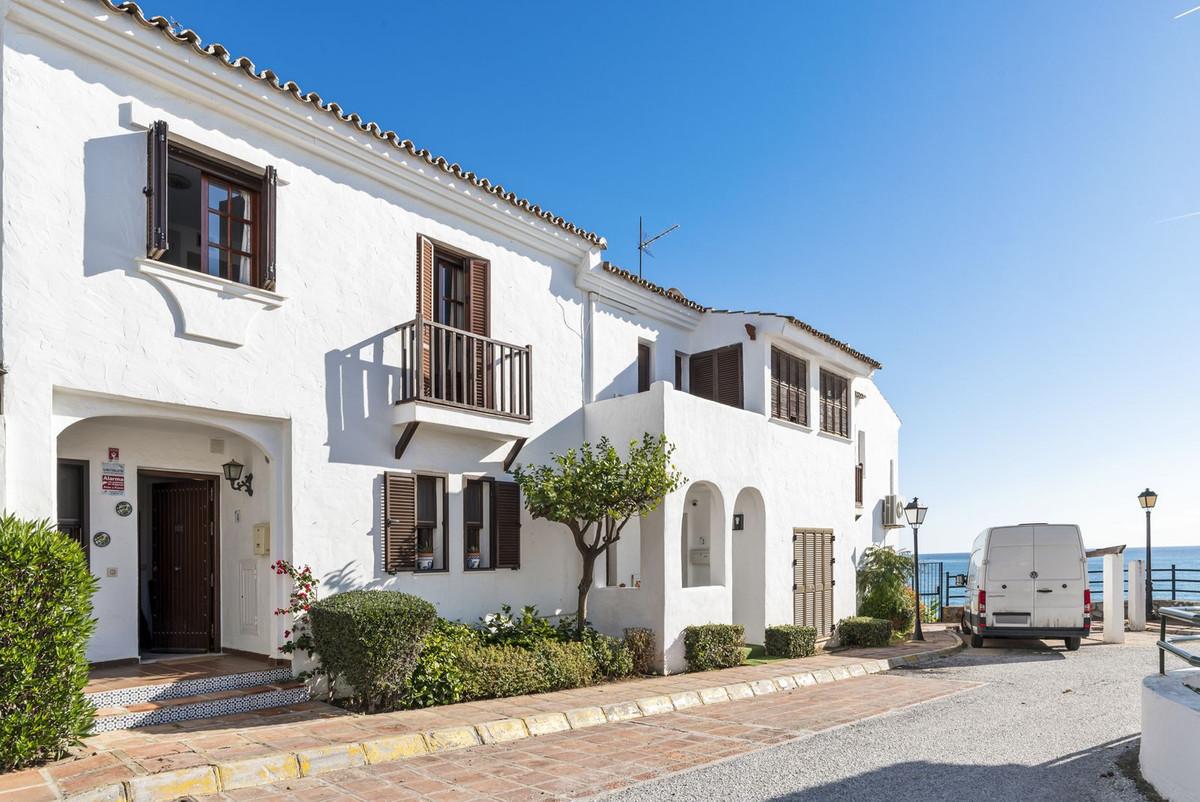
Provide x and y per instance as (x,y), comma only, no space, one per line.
(266,224)
(703,375)
(399,522)
(156,191)
(835,404)
(479,297)
(678,371)
(643,367)
(729,375)
(812,588)
(506,519)
(789,387)
(425,310)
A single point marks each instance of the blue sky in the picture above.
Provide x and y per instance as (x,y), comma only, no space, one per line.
(979,195)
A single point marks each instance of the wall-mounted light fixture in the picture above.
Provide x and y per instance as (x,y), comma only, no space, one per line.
(233,472)
(739,521)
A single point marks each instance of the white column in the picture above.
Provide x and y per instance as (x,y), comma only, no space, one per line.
(1137,595)
(1114,599)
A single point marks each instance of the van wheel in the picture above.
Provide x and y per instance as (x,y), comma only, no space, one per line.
(976,641)
(1072,644)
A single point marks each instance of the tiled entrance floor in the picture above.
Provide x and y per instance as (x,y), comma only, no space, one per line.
(173,669)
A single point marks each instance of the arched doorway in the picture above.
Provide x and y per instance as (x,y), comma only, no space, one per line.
(749,564)
(702,537)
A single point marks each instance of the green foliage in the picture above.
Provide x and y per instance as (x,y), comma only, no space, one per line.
(711,646)
(594,493)
(884,576)
(612,658)
(864,631)
(45,622)
(371,639)
(526,629)
(639,642)
(439,678)
(789,640)
(564,665)
(491,672)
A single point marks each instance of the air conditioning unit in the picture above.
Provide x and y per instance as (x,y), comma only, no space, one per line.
(893,512)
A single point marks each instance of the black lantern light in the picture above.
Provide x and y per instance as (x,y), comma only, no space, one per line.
(914,511)
(233,472)
(1148,498)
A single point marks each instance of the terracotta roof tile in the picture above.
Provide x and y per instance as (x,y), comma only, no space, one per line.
(222,55)
(672,293)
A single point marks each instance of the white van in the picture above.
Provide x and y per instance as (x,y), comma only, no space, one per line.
(1028,581)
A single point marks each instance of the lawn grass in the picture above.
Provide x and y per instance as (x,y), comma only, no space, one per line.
(756,655)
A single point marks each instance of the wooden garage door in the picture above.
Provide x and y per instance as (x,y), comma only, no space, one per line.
(812,582)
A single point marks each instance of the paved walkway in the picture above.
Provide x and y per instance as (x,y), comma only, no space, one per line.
(254,748)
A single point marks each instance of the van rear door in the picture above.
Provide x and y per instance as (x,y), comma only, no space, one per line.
(1061,577)
(1009,577)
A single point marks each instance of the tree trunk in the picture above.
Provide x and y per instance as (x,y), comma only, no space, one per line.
(585,585)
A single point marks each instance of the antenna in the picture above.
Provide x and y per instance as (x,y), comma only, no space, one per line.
(644,242)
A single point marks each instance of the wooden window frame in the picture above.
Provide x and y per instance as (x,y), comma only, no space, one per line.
(481,482)
(835,415)
(789,373)
(418,476)
(461,276)
(645,368)
(680,370)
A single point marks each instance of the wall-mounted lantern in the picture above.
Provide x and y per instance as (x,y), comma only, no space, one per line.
(739,522)
(233,472)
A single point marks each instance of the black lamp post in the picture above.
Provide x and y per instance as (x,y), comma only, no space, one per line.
(915,513)
(1148,498)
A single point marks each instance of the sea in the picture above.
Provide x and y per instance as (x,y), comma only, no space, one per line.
(1185,559)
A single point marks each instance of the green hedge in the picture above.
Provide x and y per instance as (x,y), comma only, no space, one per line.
(491,672)
(371,639)
(564,665)
(45,622)
(639,642)
(439,678)
(864,631)
(790,640)
(711,646)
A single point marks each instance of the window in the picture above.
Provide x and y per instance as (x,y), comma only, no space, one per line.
(73,502)
(450,290)
(453,288)
(414,523)
(643,367)
(679,370)
(431,551)
(789,387)
(209,216)
(717,375)
(835,405)
(478,533)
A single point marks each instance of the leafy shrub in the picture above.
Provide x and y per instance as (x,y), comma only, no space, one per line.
(45,622)
(564,665)
(491,672)
(611,657)
(440,678)
(371,639)
(639,642)
(864,631)
(526,629)
(711,646)
(883,584)
(789,640)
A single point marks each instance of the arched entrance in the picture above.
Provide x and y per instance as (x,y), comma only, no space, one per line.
(702,536)
(749,564)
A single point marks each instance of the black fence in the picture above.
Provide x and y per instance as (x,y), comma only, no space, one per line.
(1168,582)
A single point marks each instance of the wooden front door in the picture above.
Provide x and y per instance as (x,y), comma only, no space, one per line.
(182,535)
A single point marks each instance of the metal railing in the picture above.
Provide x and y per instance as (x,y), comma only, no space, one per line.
(1188,616)
(1170,579)
(445,365)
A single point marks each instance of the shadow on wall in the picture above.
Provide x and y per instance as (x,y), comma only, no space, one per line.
(360,394)
(952,781)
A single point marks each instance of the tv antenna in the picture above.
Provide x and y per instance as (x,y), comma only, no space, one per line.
(644,242)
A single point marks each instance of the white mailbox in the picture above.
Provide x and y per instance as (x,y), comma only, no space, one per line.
(262,539)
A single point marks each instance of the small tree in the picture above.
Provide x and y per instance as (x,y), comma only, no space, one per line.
(594,493)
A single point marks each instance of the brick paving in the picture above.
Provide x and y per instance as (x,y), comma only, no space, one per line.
(584,763)
(126,755)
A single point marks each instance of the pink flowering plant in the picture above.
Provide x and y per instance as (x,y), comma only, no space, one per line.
(304,592)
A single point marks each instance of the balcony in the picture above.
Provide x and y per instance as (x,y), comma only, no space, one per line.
(446,372)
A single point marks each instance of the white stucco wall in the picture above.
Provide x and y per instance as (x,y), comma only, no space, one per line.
(1169,749)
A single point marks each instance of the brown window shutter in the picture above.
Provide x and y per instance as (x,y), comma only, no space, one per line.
(425,308)
(729,375)
(703,375)
(643,367)
(479,303)
(776,384)
(678,371)
(399,522)
(156,190)
(266,225)
(506,517)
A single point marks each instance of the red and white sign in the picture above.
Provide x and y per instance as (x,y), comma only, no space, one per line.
(112,478)
(114,454)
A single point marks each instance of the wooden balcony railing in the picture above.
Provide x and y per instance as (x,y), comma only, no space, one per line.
(858,484)
(445,365)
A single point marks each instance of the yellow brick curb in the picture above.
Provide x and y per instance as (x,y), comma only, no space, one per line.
(268,769)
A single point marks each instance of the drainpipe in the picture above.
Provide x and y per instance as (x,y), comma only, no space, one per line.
(589,315)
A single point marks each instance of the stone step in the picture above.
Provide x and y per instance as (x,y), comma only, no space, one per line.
(202,705)
(155,691)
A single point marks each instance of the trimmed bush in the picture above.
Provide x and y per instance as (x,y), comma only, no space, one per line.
(371,639)
(564,665)
(492,672)
(711,646)
(610,656)
(439,678)
(45,622)
(862,630)
(790,640)
(639,642)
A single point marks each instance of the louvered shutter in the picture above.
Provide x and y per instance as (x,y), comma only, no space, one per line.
(703,375)
(812,567)
(643,367)
(479,322)
(776,384)
(506,518)
(425,309)
(729,375)
(266,224)
(156,190)
(399,522)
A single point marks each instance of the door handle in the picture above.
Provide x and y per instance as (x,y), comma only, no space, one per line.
(1045,590)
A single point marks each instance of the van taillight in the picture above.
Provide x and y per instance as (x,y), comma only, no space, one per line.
(982,603)
(1087,601)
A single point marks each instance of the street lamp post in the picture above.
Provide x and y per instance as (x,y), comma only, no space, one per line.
(915,513)
(1148,498)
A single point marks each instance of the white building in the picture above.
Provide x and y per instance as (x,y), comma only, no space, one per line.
(203,264)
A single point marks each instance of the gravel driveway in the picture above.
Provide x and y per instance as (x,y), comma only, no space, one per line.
(1046,725)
